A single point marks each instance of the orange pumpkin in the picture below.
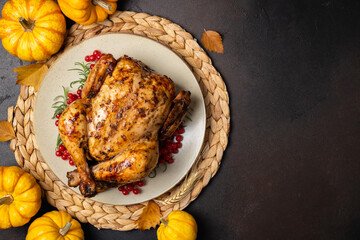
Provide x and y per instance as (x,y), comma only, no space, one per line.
(86,12)
(20,197)
(179,225)
(55,225)
(32,29)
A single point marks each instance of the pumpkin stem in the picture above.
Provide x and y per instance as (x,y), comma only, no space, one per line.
(27,25)
(164,222)
(6,199)
(103,4)
(63,231)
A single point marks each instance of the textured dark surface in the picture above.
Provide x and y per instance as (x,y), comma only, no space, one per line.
(292,169)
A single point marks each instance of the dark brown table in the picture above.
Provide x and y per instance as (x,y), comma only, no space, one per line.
(292,168)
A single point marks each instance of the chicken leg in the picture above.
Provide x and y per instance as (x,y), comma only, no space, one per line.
(73,133)
(73,124)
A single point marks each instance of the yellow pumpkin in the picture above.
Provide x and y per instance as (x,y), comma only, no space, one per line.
(32,30)
(86,12)
(179,225)
(55,225)
(20,197)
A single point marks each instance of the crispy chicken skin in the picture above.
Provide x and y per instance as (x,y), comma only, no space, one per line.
(116,123)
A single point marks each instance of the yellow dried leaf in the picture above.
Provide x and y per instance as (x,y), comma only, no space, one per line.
(6,131)
(212,41)
(150,217)
(31,75)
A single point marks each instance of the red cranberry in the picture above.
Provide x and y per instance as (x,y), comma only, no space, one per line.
(179,138)
(136,191)
(129,187)
(92,58)
(181,130)
(168,145)
(167,157)
(164,151)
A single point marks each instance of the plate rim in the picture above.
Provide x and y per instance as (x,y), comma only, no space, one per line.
(198,155)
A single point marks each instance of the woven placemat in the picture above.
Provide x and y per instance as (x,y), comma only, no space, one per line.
(121,217)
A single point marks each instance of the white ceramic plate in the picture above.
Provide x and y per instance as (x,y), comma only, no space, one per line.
(158,57)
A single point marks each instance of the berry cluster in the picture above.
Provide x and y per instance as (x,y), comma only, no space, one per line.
(72,96)
(64,154)
(171,146)
(131,187)
(94,57)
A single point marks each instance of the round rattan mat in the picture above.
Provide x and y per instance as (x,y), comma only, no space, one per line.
(121,217)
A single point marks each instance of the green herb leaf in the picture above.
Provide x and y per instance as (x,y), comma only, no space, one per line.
(58,142)
(83,72)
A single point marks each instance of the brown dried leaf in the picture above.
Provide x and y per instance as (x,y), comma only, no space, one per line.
(6,131)
(212,41)
(31,75)
(150,217)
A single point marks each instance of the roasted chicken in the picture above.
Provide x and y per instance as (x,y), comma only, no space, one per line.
(113,131)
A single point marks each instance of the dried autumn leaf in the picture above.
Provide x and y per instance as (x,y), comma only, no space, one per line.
(6,131)
(212,41)
(150,217)
(31,75)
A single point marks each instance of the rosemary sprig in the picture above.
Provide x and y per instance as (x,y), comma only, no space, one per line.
(83,71)
(60,105)
(188,114)
(60,102)
(153,173)
(58,142)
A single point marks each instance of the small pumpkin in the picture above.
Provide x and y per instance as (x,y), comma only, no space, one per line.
(179,225)
(55,225)
(20,197)
(86,12)
(32,30)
